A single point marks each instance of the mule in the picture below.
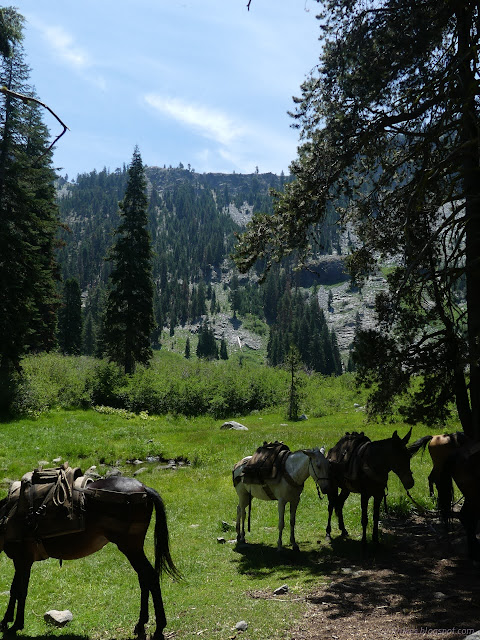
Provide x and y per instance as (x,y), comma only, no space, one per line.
(440,447)
(299,465)
(116,510)
(463,467)
(361,466)
(455,458)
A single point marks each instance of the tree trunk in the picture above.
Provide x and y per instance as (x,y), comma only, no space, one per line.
(471,188)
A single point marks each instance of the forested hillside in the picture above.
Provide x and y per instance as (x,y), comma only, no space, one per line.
(193,219)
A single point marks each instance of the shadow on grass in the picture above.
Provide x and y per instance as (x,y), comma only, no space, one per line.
(417,579)
(259,560)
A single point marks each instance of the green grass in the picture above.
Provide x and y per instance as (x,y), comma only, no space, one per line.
(223,584)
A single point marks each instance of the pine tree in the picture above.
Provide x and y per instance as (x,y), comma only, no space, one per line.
(129,314)
(28,217)
(223,350)
(293,363)
(207,346)
(89,337)
(187,348)
(70,319)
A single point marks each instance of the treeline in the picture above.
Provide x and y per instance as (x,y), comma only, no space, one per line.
(294,317)
(192,236)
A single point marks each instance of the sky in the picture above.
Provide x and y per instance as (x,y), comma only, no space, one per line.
(204,83)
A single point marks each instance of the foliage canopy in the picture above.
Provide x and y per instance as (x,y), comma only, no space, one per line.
(389,123)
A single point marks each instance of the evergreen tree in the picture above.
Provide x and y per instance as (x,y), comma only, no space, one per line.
(187,348)
(235,295)
(293,364)
(129,313)
(223,350)
(28,216)
(207,345)
(70,319)
(89,340)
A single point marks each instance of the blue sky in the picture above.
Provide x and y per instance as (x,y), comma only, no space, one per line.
(202,82)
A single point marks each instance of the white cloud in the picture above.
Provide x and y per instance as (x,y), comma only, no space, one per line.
(64,46)
(208,122)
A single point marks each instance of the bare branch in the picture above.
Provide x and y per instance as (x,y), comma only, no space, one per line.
(26,99)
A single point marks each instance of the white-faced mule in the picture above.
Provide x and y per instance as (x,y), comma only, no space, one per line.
(115,510)
(284,484)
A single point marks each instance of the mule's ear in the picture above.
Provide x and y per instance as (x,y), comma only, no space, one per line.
(407,437)
(309,452)
(394,435)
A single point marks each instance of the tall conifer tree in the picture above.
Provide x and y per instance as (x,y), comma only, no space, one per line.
(129,320)
(28,216)
(70,319)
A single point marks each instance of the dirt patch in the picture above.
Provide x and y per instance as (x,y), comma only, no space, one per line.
(418,585)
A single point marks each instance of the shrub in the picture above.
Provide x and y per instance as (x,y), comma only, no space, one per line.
(50,380)
(105,384)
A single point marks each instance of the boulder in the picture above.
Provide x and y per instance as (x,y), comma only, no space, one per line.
(281,590)
(231,424)
(58,618)
(241,626)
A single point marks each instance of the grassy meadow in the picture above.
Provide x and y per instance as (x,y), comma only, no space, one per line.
(223,584)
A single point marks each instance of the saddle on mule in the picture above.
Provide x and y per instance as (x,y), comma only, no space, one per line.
(345,457)
(46,503)
(266,464)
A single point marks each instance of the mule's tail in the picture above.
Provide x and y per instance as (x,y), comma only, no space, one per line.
(163,559)
(421,443)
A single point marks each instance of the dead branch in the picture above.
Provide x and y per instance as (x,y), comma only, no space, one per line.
(26,99)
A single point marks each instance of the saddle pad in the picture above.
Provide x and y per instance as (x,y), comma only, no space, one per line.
(266,463)
(106,495)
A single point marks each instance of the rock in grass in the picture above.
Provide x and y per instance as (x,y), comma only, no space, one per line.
(231,424)
(58,618)
(281,590)
(241,626)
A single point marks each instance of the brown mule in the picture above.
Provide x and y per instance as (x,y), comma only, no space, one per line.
(440,447)
(361,466)
(455,458)
(117,510)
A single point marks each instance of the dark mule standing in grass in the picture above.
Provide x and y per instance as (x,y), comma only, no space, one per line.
(358,465)
(117,510)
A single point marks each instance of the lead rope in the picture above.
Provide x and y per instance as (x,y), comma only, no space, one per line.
(320,497)
(425,513)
